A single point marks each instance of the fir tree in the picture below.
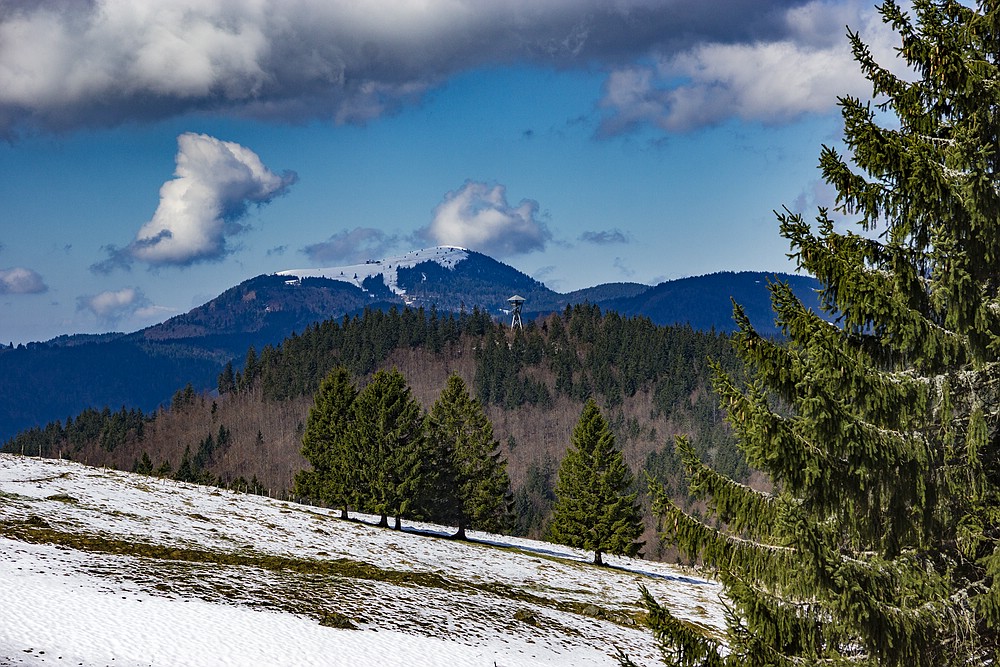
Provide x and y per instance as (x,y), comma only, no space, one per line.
(186,471)
(251,370)
(227,379)
(880,543)
(594,509)
(326,444)
(143,466)
(473,486)
(388,428)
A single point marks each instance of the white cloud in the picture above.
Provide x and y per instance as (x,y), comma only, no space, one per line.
(477,216)
(216,182)
(353,245)
(66,64)
(112,306)
(19,280)
(768,81)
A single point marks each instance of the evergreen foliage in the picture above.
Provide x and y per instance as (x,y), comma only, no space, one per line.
(595,509)
(590,353)
(330,444)
(534,499)
(474,489)
(143,466)
(227,379)
(553,364)
(186,470)
(388,430)
(183,398)
(880,543)
(359,343)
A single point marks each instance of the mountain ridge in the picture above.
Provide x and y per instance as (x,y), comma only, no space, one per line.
(43,382)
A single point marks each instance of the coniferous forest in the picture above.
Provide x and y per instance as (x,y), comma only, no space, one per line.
(651,382)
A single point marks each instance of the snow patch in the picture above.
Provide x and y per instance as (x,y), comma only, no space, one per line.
(356,274)
(502,600)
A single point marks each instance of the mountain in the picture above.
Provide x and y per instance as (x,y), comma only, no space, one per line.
(105,567)
(266,309)
(447,277)
(706,302)
(42,382)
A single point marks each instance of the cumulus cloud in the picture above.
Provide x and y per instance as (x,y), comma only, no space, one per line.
(216,182)
(604,237)
(103,62)
(477,216)
(19,280)
(766,80)
(352,245)
(113,306)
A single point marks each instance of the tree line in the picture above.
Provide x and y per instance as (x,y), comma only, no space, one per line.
(375,451)
(589,353)
(575,354)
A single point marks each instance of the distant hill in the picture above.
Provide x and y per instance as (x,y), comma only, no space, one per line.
(653,381)
(706,302)
(42,382)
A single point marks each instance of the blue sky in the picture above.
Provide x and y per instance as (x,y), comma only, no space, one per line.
(156,154)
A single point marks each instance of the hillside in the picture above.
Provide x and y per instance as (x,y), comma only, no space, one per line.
(652,382)
(706,302)
(104,567)
(42,382)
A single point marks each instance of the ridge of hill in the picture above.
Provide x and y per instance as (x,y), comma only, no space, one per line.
(706,302)
(106,567)
(651,382)
(41,382)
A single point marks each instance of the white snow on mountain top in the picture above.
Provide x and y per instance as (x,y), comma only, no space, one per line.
(102,567)
(356,274)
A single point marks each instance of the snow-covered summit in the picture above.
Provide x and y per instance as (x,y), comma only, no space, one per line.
(356,274)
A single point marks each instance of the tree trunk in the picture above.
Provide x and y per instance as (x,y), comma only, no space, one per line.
(399,524)
(343,512)
(460,535)
(383,522)
(597,558)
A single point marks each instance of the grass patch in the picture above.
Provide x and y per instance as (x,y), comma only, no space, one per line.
(332,619)
(50,478)
(41,533)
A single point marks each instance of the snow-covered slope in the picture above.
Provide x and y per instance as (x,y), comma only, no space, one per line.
(356,274)
(100,567)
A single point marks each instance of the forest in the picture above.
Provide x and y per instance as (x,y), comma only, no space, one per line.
(652,382)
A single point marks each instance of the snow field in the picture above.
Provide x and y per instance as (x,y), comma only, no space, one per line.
(356,274)
(427,601)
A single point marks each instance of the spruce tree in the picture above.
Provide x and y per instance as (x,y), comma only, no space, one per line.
(144,466)
(328,443)
(388,427)
(472,486)
(594,508)
(880,542)
(186,471)
(227,379)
